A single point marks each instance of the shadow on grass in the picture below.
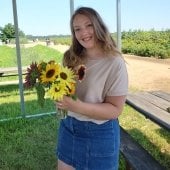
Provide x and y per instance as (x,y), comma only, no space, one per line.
(164,133)
(28,144)
(163,158)
(9,88)
(13,109)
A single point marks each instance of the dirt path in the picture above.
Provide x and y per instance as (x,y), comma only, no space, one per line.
(148,74)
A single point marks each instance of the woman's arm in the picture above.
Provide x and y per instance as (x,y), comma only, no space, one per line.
(110,109)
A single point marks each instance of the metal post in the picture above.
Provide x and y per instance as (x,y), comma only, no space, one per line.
(71,7)
(18,58)
(118,24)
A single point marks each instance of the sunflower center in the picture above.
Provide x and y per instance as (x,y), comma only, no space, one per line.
(57,89)
(63,75)
(81,73)
(68,89)
(50,73)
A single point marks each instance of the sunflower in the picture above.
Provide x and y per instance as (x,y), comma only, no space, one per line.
(31,75)
(81,72)
(71,89)
(67,76)
(42,66)
(57,91)
(50,73)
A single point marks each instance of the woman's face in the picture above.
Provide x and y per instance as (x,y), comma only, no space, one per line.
(84,31)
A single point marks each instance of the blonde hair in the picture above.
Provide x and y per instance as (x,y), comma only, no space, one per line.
(74,55)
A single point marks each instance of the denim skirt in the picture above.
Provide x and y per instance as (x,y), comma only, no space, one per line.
(88,146)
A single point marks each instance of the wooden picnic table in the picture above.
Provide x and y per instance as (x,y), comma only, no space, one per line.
(154,105)
(11,71)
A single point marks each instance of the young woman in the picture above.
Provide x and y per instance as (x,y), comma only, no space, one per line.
(89,137)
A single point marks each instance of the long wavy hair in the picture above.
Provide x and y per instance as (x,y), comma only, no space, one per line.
(74,56)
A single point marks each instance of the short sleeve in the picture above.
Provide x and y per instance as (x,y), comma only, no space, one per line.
(117,81)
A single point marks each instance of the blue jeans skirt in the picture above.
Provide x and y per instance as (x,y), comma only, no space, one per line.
(89,146)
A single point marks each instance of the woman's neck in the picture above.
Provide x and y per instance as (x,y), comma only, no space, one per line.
(95,53)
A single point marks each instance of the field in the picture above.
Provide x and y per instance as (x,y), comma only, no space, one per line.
(145,73)
(30,143)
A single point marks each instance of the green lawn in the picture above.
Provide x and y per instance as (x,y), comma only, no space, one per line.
(37,53)
(29,144)
(152,137)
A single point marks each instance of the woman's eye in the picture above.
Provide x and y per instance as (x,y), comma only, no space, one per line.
(77,29)
(89,25)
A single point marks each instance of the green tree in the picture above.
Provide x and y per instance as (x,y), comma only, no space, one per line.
(8,33)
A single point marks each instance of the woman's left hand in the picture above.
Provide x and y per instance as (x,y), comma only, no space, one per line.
(67,103)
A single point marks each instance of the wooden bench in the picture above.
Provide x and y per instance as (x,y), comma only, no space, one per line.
(136,157)
(12,71)
(154,106)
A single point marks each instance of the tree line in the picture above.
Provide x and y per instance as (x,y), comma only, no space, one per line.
(147,43)
(137,42)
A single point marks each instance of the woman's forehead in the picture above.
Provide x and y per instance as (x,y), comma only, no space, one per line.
(80,19)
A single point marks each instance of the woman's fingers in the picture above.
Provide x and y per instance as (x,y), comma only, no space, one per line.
(59,105)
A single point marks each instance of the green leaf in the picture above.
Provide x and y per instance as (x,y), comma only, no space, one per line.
(74,97)
(40,94)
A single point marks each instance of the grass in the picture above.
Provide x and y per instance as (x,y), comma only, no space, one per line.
(152,137)
(7,55)
(37,53)
(10,102)
(30,143)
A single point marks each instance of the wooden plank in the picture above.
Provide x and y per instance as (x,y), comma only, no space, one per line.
(155,100)
(9,82)
(152,112)
(10,75)
(8,69)
(136,155)
(1,73)
(161,94)
(12,70)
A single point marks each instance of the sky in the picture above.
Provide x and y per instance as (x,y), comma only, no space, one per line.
(51,17)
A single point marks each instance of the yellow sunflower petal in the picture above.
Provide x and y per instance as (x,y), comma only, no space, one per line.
(57,91)
(67,76)
(71,89)
(51,73)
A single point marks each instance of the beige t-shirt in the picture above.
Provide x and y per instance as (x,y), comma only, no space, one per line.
(104,77)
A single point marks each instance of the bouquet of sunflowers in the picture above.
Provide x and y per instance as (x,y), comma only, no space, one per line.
(53,78)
